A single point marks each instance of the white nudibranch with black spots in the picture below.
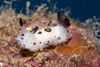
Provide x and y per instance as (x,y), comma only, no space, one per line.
(37,39)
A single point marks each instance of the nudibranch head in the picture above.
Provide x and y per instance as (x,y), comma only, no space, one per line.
(37,39)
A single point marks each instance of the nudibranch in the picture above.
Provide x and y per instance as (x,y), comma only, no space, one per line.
(40,38)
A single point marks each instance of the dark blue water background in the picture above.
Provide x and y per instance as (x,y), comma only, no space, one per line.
(80,9)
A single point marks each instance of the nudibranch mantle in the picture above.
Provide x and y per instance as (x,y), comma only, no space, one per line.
(37,39)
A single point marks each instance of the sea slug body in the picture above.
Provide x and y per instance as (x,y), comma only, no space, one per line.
(37,39)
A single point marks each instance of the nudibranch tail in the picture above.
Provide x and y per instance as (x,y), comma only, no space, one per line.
(62,20)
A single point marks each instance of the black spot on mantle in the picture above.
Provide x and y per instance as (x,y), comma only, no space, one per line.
(47,29)
(22,35)
(22,38)
(34,43)
(39,32)
(58,38)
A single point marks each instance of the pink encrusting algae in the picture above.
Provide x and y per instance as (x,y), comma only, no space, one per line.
(35,64)
(81,50)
